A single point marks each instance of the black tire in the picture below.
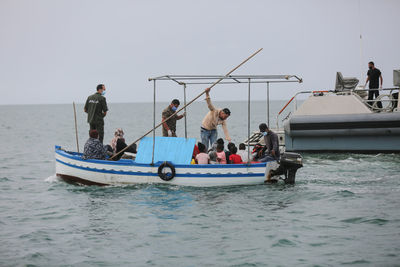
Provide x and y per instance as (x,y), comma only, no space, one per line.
(166,176)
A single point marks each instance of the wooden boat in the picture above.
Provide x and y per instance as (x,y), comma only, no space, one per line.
(166,169)
(72,168)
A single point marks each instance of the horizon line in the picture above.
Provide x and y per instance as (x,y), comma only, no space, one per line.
(137,102)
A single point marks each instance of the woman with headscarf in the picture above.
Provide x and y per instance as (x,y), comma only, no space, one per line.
(118,144)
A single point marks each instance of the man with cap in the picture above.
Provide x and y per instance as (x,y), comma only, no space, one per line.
(96,108)
(209,124)
(271,148)
(169,126)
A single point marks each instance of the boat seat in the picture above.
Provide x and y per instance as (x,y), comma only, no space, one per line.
(345,83)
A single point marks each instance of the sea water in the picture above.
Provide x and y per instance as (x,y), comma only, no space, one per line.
(343,209)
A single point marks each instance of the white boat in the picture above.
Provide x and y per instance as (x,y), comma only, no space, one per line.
(167,168)
(72,168)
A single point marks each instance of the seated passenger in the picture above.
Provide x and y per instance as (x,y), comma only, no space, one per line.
(243,152)
(214,146)
(228,152)
(213,157)
(221,157)
(202,157)
(235,158)
(94,149)
(118,144)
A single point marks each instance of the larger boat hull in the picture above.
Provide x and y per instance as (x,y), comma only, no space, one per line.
(366,133)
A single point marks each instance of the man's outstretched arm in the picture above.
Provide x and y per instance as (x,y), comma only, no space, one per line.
(208,99)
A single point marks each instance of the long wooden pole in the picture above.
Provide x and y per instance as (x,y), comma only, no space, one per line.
(76,128)
(190,102)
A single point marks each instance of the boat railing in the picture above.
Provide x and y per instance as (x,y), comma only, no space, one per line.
(294,100)
(390,99)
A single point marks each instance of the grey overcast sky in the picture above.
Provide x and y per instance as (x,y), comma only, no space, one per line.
(56,51)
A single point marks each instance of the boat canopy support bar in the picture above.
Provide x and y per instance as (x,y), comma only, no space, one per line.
(185,80)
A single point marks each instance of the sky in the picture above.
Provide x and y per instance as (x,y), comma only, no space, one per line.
(56,51)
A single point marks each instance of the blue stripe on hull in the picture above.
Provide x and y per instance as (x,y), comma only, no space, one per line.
(127,162)
(186,175)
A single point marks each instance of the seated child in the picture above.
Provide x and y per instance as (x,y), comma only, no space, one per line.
(214,146)
(202,157)
(213,157)
(234,158)
(228,152)
(221,157)
(243,153)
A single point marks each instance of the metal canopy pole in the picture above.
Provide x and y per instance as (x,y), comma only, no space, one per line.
(248,126)
(154,121)
(184,102)
(268,104)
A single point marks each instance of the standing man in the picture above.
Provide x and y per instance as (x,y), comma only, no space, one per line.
(96,108)
(214,117)
(169,126)
(374,75)
(271,144)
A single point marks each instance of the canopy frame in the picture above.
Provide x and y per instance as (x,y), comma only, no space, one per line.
(185,80)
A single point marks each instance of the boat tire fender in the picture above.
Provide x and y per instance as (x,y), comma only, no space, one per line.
(166,176)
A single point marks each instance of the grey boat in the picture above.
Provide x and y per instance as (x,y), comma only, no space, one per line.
(343,120)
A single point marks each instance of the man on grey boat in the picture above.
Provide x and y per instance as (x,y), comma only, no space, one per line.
(374,75)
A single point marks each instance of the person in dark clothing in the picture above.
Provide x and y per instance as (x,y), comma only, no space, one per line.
(374,75)
(169,126)
(121,145)
(228,152)
(96,108)
(271,149)
(118,144)
(94,149)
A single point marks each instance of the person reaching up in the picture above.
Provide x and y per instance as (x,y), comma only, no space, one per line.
(215,117)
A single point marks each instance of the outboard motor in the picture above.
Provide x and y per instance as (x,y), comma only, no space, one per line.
(289,164)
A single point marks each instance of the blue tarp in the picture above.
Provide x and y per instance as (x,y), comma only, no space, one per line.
(177,150)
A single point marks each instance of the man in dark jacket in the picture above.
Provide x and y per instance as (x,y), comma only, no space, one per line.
(96,108)
(374,75)
(271,144)
(169,126)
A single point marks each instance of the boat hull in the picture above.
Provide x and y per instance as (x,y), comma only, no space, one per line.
(365,133)
(71,168)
